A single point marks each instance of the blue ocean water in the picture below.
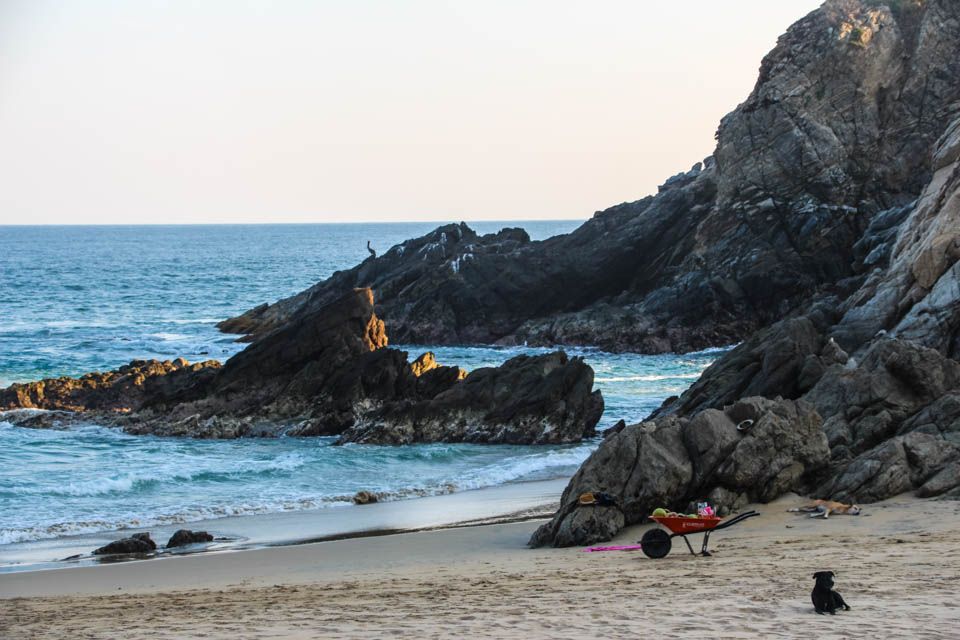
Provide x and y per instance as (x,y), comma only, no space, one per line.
(79,299)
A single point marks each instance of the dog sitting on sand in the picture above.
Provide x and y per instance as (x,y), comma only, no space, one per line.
(825,599)
(823,509)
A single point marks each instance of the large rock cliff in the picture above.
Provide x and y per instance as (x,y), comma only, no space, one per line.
(837,130)
(872,380)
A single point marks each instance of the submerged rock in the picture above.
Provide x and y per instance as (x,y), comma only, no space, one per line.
(365,497)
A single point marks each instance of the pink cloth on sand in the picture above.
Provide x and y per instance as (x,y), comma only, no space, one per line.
(625,547)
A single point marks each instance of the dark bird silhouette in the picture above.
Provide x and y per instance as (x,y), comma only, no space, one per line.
(370,249)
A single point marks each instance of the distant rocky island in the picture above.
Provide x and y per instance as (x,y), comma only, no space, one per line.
(823,236)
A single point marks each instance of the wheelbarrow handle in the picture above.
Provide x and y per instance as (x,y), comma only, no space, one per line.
(736,520)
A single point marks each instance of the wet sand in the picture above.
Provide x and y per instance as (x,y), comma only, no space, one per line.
(898,566)
(500,503)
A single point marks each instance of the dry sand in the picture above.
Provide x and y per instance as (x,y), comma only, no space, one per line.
(898,566)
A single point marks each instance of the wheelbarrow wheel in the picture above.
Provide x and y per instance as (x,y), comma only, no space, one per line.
(655,543)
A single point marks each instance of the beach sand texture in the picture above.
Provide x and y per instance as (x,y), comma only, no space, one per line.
(898,566)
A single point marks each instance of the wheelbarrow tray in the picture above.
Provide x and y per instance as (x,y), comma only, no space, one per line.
(677,524)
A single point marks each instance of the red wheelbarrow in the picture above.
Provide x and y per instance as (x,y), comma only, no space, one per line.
(656,543)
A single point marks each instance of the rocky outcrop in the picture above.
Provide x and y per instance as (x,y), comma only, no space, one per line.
(184,537)
(138,543)
(878,366)
(329,373)
(673,462)
(546,399)
(834,137)
(128,388)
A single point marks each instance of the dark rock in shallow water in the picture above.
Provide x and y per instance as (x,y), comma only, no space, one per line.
(365,497)
(183,537)
(137,543)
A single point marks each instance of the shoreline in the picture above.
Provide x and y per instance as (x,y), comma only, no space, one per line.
(507,503)
(897,566)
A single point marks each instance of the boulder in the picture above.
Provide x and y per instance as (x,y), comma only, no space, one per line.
(183,537)
(136,544)
(673,461)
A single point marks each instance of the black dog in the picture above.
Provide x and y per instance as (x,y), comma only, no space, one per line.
(825,599)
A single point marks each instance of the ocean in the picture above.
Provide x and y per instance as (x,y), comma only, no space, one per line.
(87,298)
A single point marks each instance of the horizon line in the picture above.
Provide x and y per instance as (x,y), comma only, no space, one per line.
(290,223)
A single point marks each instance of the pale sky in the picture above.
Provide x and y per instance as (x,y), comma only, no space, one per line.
(174,111)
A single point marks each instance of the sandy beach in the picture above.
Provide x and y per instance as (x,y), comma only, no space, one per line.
(898,565)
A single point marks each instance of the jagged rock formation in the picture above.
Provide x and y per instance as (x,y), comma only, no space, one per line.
(328,373)
(126,388)
(879,367)
(837,130)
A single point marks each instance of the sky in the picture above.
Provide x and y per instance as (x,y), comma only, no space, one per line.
(235,111)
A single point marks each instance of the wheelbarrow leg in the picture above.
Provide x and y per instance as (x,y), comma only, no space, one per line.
(688,545)
(706,541)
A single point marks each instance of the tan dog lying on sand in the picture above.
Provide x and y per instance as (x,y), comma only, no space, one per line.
(823,508)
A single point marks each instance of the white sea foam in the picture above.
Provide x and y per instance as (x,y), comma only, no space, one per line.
(649,378)
(189,321)
(168,337)
(710,351)
(525,467)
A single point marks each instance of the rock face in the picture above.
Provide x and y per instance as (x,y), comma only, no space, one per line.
(329,373)
(836,133)
(875,360)
(674,461)
(546,399)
